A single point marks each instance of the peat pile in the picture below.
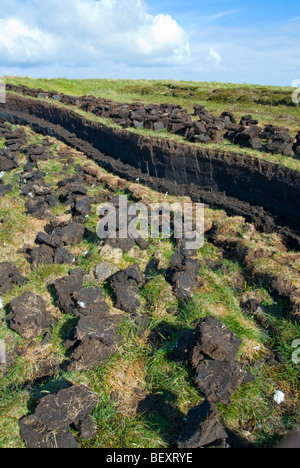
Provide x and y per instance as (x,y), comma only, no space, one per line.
(182,274)
(40,195)
(121,240)
(51,246)
(14,141)
(211,350)
(95,337)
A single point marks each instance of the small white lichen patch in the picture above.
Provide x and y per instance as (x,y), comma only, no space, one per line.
(279,397)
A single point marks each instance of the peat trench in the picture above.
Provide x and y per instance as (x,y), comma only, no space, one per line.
(265,193)
(210,349)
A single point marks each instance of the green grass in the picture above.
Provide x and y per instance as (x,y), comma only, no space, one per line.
(144,394)
(164,90)
(268,104)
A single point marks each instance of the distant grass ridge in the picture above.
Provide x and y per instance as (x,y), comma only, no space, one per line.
(183,90)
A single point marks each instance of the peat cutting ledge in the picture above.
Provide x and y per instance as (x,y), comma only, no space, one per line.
(263,192)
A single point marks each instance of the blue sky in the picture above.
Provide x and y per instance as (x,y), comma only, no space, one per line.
(216,40)
(236,12)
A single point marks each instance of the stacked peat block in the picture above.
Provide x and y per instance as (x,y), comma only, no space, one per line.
(95,336)
(182,274)
(247,134)
(296,146)
(10,277)
(39,194)
(14,142)
(51,244)
(279,141)
(209,128)
(212,349)
(29,316)
(122,240)
(49,425)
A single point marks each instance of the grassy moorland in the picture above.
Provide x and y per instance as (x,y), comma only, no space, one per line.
(143,369)
(145,395)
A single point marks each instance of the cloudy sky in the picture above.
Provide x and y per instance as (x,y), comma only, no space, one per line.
(205,40)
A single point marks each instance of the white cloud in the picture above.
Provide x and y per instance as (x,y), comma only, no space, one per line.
(120,39)
(214,56)
(165,30)
(80,31)
(21,44)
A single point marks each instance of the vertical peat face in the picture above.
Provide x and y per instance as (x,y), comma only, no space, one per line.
(263,192)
